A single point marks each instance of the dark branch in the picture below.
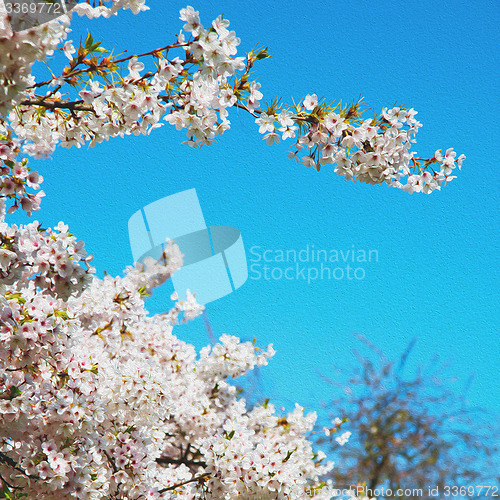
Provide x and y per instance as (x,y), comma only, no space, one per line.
(71,105)
(8,461)
(179,461)
(80,71)
(203,477)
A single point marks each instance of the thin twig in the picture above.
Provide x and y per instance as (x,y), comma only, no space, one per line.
(198,478)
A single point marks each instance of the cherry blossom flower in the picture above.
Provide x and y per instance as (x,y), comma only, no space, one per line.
(310,102)
(266,123)
(342,440)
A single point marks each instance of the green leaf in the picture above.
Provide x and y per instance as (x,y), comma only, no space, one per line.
(17,296)
(230,435)
(6,493)
(89,41)
(61,314)
(262,54)
(288,455)
(96,47)
(14,392)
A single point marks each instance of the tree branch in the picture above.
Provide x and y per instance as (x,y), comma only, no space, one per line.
(71,105)
(179,461)
(80,71)
(5,459)
(203,477)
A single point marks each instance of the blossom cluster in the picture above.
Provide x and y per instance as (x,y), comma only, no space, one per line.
(192,84)
(18,52)
(16,176)
(134,104)
(91,11)
(100,400)
(373,151)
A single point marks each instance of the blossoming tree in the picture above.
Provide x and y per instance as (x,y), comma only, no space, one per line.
(98,399)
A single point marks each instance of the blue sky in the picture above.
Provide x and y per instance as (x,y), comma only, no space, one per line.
(437,266)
